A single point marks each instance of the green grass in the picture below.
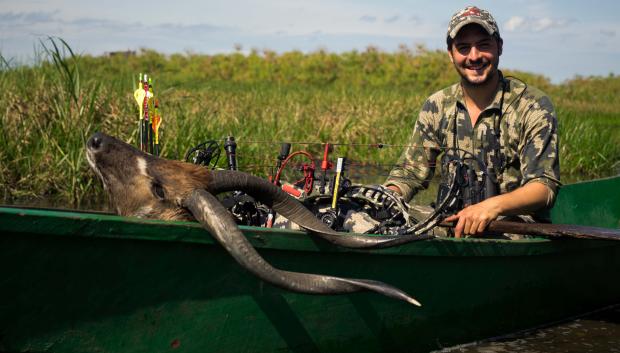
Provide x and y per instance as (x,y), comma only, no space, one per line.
(50,108)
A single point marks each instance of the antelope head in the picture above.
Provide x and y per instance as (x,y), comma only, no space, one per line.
(142,185)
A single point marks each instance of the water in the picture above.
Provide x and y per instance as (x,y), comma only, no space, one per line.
(597,332)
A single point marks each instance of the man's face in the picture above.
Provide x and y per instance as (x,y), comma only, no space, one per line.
(475,54)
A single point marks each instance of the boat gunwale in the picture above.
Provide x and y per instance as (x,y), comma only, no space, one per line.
(52,222)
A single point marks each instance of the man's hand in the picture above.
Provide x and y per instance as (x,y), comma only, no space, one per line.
(475,218)
(525,199)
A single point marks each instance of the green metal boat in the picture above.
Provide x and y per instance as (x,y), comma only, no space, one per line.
(91,282)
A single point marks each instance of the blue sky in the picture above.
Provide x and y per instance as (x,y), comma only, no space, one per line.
(559,39)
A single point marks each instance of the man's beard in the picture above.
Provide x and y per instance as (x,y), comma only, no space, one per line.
(489,76)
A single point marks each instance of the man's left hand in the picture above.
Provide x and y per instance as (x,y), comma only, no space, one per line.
(523,200)
(475,218)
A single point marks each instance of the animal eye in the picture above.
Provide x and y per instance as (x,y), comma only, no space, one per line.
(158,191)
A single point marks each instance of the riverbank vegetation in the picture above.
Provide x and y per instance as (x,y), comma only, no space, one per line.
(360,98)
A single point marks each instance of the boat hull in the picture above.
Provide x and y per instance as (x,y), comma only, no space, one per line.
(81,282)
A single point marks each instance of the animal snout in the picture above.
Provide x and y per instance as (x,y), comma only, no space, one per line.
(95,142)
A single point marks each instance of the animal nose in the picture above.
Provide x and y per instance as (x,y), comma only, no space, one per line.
(95,141)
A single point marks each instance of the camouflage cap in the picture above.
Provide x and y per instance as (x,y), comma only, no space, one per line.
(472,14)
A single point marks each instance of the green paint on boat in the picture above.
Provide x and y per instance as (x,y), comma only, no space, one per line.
(88,282)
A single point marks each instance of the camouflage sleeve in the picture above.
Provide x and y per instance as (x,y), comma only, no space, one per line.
(416,164)
(538,150)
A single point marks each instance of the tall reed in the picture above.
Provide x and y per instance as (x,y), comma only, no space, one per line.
(363,98)
(48,112)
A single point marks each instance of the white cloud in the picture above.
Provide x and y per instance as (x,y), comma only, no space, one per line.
(533,24)
(514,23)
(545,23)
(392,19)
(368,18)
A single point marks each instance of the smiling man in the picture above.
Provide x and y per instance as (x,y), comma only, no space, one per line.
(499,127)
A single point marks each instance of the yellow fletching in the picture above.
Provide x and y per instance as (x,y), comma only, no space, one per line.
(139,95)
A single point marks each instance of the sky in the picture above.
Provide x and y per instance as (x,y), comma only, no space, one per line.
(558,39)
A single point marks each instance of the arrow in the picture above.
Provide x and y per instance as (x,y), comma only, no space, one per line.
(139,96)
(156,122)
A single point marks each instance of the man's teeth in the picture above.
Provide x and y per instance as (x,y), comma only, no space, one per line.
(476,67)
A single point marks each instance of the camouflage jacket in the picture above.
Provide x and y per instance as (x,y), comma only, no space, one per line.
(528,141)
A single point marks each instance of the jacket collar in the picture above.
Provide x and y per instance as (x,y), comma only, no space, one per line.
(500,90)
